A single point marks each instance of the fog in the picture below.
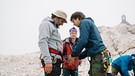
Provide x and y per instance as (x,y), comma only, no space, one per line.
(20,19)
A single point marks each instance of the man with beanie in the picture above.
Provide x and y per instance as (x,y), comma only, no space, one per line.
(50,43)
(123,64)
(67,50)
(91,40)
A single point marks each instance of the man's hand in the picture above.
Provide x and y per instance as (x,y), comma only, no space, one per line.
(72,59)
(48,68)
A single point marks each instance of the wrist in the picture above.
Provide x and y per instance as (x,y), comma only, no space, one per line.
(72,55)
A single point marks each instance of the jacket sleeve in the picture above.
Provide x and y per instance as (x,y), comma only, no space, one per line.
(82,40)
(44,35)
(124,68)
(83,55)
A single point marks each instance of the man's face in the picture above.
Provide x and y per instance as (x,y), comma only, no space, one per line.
(73,35)
(60,21)
(76,22)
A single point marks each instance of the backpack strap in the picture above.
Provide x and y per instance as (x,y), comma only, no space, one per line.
(65,46)
(65,51)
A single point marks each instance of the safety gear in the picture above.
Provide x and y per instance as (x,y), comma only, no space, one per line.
(54,60)
(105,60)
(54,51)
(60,14)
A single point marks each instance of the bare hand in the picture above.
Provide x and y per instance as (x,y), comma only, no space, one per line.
(48,68)
(72,59)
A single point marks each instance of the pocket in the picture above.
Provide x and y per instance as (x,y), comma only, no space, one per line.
(97,65)
(97,58)
(98,68)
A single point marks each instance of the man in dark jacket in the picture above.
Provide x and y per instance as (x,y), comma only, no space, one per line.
(91,40)
(123,64)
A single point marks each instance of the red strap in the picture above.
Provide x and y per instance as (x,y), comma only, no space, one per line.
(53,51)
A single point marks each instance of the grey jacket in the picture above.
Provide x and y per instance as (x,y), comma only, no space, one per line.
(49,37)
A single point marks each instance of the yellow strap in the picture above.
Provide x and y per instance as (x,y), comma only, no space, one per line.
(105,51)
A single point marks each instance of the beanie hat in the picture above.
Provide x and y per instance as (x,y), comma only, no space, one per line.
(72,30)
(133,57)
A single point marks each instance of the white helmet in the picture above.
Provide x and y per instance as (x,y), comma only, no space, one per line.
(60,14)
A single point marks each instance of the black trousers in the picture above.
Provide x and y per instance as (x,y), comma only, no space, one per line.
(56,71)
(109,74)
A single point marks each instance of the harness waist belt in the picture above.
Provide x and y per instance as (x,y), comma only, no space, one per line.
(54,51)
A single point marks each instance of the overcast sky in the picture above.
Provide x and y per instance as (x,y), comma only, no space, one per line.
(20,19)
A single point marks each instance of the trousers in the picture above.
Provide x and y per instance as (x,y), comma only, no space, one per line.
(68,72)
(96,65)
(56,71)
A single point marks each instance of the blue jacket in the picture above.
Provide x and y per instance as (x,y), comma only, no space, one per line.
(89,39)
(124,64)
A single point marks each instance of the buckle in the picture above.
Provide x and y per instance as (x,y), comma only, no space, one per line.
(54,60)
(105,51)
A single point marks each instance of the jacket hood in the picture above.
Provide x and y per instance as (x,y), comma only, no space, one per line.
(90,19)
(51,20)
(48,19)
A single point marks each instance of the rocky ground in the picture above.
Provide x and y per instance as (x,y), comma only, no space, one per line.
(119,40)
(24,65)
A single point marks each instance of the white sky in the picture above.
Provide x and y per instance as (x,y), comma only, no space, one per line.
(20,19)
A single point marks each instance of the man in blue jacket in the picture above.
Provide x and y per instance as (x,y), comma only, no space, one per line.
(91,40)
(123,64)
